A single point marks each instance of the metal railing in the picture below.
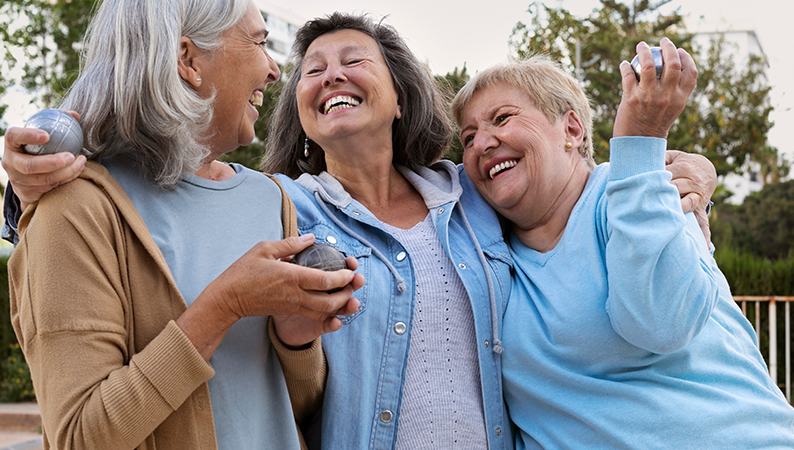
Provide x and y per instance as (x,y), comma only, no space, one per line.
(768,337)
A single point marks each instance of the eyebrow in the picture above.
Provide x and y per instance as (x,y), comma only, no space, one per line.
(262,32)
(345,51)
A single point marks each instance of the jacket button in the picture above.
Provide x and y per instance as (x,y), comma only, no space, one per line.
(440,211)
(462,266)
(487,343)
(399,328)
(401,256)
(498,431)
(331,240)
(386,416)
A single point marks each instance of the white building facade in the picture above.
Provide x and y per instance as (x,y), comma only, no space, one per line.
(282,25)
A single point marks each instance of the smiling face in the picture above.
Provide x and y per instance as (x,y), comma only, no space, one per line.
(516,157)
(346,93)
(237,74)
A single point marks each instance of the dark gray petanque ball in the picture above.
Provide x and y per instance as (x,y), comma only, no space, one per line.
(658,61)
(321,256)
(65,132)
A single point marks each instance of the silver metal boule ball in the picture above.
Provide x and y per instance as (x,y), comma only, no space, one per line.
(321,256)
(658,61)
(65,132)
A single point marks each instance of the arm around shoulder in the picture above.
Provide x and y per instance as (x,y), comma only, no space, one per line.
(305,372)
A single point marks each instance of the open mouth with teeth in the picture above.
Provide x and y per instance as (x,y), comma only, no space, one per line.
(340,102)
(501,167)
(256,98)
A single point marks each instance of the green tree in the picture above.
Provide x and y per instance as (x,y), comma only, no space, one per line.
(48,34)
(451,83)
(762,226)
(727,117)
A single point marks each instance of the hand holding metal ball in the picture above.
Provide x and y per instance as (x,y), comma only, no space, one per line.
(658,61)
(65,132)
(321,256)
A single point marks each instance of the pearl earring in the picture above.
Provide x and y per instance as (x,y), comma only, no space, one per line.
(568,145)
(306,148)
(198,80)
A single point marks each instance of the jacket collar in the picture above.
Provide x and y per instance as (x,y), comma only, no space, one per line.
(438,185)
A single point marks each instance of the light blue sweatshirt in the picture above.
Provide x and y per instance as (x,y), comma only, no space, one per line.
(625,335)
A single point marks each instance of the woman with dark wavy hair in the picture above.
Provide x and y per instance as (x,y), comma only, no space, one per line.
(361,124)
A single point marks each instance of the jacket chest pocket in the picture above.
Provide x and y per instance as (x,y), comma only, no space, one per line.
(348,247)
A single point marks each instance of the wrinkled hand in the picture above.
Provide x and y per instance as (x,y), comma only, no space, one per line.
(261,284)
(696,179)
(34,175)
(295,330)
(649,107)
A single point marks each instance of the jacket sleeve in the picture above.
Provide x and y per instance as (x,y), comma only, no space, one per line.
(11,213)
(305,372)
(661,286)
(71,312)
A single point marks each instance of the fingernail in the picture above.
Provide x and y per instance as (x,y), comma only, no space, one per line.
(307,238)
(68,158)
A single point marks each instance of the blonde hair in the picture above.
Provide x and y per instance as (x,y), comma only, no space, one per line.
(129,94)
(553,92)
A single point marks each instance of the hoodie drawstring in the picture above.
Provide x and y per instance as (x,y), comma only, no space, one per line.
(400,282)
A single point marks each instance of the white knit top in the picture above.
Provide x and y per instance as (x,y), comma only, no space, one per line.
(442,400)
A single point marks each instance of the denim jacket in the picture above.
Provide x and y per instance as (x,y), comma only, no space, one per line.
(367,358)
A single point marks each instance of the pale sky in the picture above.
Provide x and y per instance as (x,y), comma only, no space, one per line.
(448,33)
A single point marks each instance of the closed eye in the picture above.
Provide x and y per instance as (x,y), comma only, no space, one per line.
(313,70)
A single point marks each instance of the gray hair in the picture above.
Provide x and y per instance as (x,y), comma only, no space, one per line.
(419,138)
(130,95)
(552,90)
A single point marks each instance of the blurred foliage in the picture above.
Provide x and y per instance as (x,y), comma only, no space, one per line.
(762,226)
(48,34)
(451,83)
(15,383)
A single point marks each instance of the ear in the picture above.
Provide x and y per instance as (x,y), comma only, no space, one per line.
(574,131)
(399,113)
(189,66)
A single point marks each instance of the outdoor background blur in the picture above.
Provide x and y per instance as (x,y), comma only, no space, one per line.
(728,119)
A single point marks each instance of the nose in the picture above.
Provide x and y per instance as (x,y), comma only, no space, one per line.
(273,73)
(334,74)
(483,141)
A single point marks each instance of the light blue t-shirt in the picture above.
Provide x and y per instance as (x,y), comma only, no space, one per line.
(202,227)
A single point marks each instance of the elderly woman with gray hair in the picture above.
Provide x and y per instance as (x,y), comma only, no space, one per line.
(139,293)
(620,332)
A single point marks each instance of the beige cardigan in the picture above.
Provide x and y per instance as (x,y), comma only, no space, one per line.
(110,367)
